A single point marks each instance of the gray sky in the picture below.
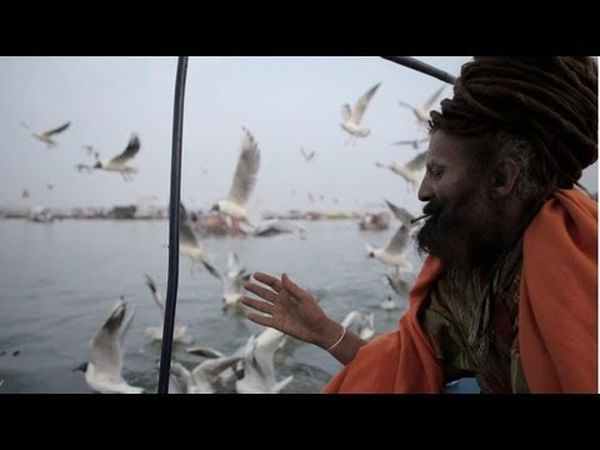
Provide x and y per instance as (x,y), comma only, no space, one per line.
(285,102)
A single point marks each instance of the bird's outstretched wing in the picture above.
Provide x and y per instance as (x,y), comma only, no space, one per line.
(361,104)
(133,146)
(399,241)
(406,105)
(105,348)
(155,293)
(207,352)
(57,130)
(211,269)
(346,112)
(400,286)
(414,142)
(246,171)
(404,142)
(417,163)
(186,235)
(429,103)
(307,156)
(400,213)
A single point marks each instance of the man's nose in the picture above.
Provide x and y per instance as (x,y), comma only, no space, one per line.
(425,193)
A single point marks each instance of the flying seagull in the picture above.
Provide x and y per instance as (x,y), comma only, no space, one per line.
(422,111)
(307,156)
(244,180)
(408,171)
(393,252)
(233,281)
(189,246)
(103,371)
(118,163)
(414,142)
(46,137)
(353,116)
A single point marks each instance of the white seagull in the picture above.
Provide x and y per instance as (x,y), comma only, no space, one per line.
(353,116)
(189,246)
(46,137)
(233,281)
(259,371)
(393,253)
(103,371)
(404,216)
(244,180)
(409,170)
(180,332)
(422,111)
(119,163)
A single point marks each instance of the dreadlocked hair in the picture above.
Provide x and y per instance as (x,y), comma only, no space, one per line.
(547,105)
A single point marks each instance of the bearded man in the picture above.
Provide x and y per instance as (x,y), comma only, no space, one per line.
(508,290)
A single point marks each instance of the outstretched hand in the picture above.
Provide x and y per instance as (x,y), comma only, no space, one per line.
(289,309)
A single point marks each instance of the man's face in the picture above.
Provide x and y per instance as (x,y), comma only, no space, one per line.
(463,229)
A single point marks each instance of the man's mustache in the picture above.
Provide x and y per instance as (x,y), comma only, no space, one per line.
(430,210)
(433,208)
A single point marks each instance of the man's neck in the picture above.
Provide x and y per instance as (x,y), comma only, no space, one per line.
(517,216)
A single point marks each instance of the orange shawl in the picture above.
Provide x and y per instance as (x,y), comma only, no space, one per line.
(558,314)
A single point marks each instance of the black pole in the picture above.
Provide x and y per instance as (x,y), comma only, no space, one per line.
(420,66)
(175,198)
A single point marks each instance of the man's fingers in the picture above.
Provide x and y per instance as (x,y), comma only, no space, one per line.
(258,305)
(270,281)
(261,320)
(267,294)
(292,288)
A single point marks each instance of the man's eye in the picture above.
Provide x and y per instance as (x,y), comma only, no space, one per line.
(436,173)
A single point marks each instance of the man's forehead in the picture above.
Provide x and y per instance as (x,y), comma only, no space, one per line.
(446,149)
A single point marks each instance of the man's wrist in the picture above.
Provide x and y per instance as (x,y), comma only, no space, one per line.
(331,335)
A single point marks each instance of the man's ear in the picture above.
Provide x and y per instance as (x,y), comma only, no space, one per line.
(504,178)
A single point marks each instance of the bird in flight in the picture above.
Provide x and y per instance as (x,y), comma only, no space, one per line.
(119,163)
(353,116)
(307,156)
(414,142)
(422,111)
(409,170)
(244,180)
(103,372)
(46,136)
(189,245)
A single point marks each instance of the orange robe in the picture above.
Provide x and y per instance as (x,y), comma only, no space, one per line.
(558,314)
